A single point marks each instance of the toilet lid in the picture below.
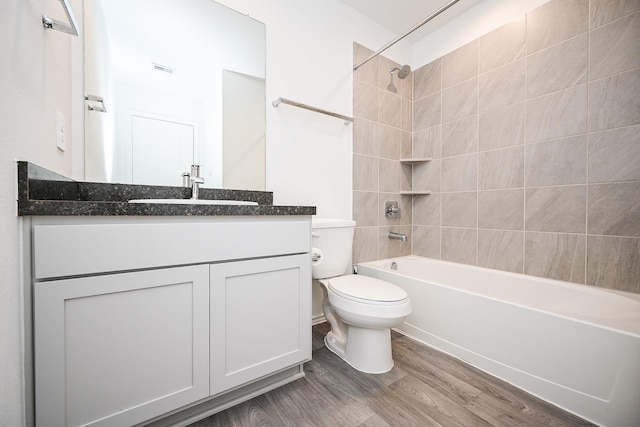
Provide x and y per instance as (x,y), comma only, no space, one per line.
(356,286)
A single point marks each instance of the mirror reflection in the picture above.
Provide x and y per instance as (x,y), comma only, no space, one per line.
(182,82)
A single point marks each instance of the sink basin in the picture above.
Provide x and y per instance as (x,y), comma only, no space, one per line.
(195,202)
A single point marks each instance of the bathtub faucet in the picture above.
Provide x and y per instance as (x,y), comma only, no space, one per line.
(397,236)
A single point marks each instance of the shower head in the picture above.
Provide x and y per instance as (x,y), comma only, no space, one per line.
(403,71)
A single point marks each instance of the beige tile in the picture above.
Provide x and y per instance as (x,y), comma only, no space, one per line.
(555,256)
(365,244)
(502,168)
(390,109)
(406,87)
(556,162)
(555,22)
(460,209)
(502,86)
(557,115)
(615,47)
(503,45)
(460,101)
(365,208)
(558,67)
(428,143)
(459,245)
(426,210)
(460,137)
(404,204)
(501,209)
(365,137)
(427,112)
(427,79)
(614,262)
(426,241)
(460,173)
(368,72)
(365,101)
(365,173)
(426,176)
(460,65)
(501,250)
(407,145)
(615,155)
(389,178)
(556,209)
(406,177)
(502,127)
(614,101)
(614,209)
(605,11)
(390,142)
(407,115)
(388,248)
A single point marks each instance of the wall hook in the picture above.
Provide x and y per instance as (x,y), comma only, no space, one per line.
(72,28)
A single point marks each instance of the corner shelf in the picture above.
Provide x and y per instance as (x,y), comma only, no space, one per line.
(413,161)
(415,193)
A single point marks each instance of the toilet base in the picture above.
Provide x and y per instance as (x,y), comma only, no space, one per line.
(367,350)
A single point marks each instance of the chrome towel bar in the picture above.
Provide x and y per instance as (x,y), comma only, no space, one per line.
(347,119)
(53,24)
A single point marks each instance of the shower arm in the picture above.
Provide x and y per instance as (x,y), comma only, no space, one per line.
(411,30)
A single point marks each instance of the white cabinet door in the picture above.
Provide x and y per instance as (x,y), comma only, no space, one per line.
(118,349)
(260,318)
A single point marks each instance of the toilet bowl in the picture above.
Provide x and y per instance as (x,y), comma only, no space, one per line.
(361,310)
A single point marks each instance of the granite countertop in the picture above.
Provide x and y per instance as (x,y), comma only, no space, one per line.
(42,192)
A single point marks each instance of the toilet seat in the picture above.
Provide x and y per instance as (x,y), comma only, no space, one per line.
(366,290)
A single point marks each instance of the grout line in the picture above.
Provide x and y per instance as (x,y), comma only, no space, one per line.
(477,153)
(586,207)
(439,146)
(524,146)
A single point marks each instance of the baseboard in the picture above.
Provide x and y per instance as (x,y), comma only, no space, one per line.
(316,320)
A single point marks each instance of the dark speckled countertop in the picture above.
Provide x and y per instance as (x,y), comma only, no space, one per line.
(42,192)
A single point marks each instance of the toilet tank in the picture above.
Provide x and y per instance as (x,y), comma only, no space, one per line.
(332,240)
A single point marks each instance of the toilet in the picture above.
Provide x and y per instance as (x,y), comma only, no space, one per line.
(360,309)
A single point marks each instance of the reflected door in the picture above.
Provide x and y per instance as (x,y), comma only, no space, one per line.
(162,150)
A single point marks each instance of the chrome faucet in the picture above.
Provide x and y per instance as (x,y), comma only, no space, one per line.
(195,180)
(397,236)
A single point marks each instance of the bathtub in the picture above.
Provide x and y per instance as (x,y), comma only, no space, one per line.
(575,346)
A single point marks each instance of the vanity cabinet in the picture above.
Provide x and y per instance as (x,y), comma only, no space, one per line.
(255,318)
(119,349)
(136,319)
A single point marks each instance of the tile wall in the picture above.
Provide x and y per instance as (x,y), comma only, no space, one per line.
(382,136)
(534,130)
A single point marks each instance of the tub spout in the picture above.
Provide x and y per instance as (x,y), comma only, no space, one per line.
(397,236)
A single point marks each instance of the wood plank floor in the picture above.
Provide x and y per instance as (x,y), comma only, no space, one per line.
(425,388)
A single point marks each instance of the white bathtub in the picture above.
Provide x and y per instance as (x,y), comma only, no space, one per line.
(575,346)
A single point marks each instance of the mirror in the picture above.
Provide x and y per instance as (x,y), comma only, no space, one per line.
(182,82)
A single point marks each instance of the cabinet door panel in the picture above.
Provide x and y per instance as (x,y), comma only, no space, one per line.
(260,318)
(122,348)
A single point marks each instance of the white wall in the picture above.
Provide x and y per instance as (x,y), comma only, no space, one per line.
(309,60)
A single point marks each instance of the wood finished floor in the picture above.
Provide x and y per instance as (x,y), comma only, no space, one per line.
(425,388)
